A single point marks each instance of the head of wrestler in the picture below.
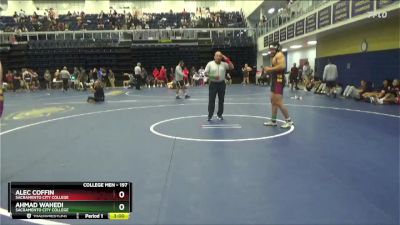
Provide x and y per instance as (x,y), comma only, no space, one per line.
(181,63)
(274,48)
(218,57)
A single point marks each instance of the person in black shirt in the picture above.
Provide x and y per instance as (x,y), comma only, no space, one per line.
(98,93)
(294,71)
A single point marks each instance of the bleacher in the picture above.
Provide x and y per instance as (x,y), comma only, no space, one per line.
(120,21)
(121,56)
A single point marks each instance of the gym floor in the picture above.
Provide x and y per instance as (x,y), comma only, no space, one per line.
(339,164)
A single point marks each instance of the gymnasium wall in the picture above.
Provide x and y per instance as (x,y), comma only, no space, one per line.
(381,61)
(294,56)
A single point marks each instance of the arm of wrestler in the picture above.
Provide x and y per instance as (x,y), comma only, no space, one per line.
(281,64)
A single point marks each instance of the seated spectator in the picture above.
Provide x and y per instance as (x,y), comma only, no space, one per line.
(393,96)
(98,90)
(312,84)
(338,89)
(320,87)
(129,80)
(356,93)
(372,96)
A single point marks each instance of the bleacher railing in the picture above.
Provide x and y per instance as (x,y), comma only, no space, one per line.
(296,10)
(129,35)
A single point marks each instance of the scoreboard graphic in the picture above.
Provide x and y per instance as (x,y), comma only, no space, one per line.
(70,200)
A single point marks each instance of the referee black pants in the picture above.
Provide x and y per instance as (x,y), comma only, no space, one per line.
(138,81)
(214,89)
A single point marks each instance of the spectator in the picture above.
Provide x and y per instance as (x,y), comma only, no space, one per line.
(356,93)
(202,74)
(10,80)
(246,73)
(186,76)
(111,78)
(18,81)
(162,76)
(393,97)
(26,79)
(258,75)
(93,75)
(100,74)
(128,80)
(65,76)
(171,74)
(228,79)
(98,90)
(156,73)
(373,96)
(143,76)
(338,89)
(330,76)
(306,73)
(294,71)
(84,78)
(150,80)
(47,79)
(191,75)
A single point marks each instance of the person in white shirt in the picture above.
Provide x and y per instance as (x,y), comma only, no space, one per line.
(216,71)
(138,72)
(330,76)
(202,76)
(65,76)
(180,84)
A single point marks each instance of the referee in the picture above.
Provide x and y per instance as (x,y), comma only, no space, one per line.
(138,77)
(216,71)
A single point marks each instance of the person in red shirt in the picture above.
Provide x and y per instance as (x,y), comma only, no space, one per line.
(186,75)
(156,73)
(162,77)
(10,80)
